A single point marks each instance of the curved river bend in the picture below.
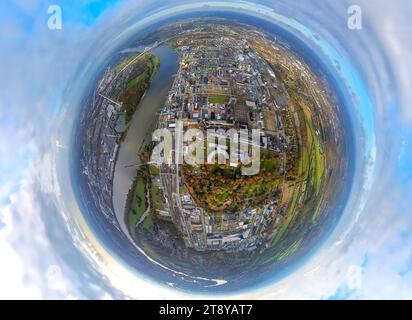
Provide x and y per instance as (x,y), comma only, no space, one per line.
(140,128)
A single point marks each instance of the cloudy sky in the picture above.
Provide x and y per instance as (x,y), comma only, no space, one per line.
(46,248)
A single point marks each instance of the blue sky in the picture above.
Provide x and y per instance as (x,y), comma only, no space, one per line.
(86,12)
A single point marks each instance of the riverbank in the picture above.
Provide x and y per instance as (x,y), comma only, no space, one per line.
(138,133)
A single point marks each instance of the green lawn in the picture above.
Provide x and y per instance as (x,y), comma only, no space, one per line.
(270,164)
(147,223)
(157,198)
(289,216)
(317,158)
(136,80)
(311,168)
(317,212)
(289,250)
(218,99)
(154,170)
(126,61)
(155,66)
(137,207)
(182,190)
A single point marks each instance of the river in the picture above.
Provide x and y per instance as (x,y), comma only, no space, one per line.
(140,128)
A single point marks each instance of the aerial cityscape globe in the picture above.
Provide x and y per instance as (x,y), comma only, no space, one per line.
(217,147)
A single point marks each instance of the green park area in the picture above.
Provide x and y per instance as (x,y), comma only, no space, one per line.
(218,99)
(137,202)
(145,67)
(221,187)
(137,205)
(311,168)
